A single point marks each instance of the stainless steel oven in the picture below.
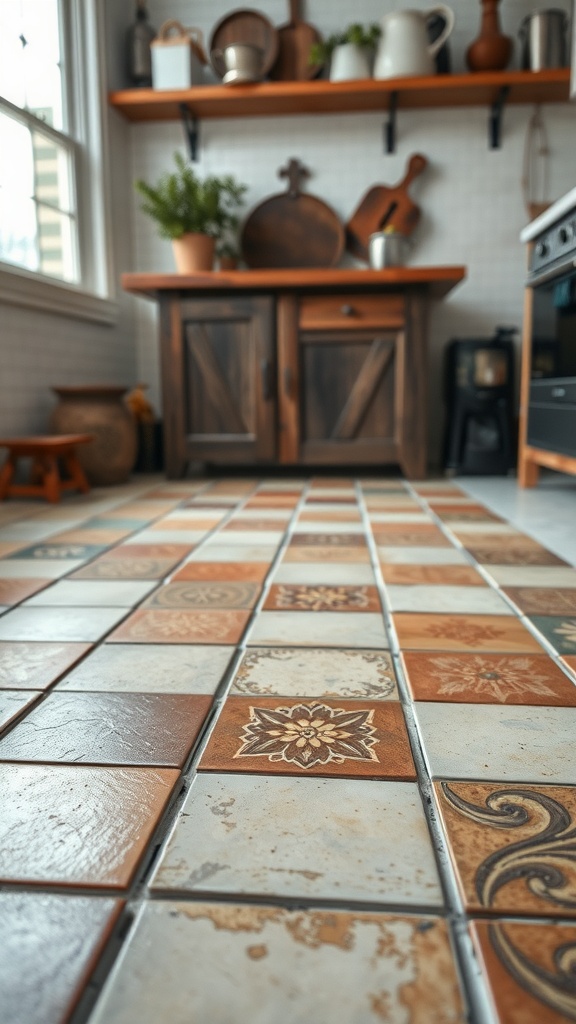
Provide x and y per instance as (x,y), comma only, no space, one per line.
(552,404)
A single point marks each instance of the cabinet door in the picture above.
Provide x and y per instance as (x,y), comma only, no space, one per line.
(226,379)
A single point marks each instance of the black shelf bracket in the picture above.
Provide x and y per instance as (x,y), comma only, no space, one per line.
(191,131)
(390,125)
(495,128)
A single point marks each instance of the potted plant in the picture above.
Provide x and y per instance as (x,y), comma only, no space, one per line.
(192,212)
(349,53)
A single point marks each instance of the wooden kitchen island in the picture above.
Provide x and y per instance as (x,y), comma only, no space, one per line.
(295,367)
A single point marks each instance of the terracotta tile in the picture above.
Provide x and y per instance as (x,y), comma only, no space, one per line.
(328,539)
(48,550)
(294,597)
(185,524)
(288,737)
(498,633)
(14,702)
(34,666)
(570,661)
(137,568)
(315,965)
(85,535)
(544,600)
(308,516)
(318,629)
(488,679)
(50,947)
(14,591)
(512,554)
(440,490)
(464,513)
(130,668)
(559,630)
(286,671)
(447,575)
(8,548)
(223,572)
(524,965)
(503,841)
(498,536)
(238,524)
(77,825)
(143,510)
(161,626)
(173,552)
(290,838)
(303,553)
(414,535)
(200,594)
(326,499)
(273,501)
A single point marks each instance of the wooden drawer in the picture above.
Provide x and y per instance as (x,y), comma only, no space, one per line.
(351,311)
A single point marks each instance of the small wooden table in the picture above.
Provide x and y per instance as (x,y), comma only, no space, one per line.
(45,479)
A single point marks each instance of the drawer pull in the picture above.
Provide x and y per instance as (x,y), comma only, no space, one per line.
(558,392)
(347,310)
(266,380)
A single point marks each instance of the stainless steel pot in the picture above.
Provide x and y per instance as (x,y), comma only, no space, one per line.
(387,249)
(543,35)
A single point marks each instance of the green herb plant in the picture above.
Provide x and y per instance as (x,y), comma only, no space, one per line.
(181,202)
(358,35)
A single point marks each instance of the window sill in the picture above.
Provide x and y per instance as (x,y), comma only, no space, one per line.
(21,288)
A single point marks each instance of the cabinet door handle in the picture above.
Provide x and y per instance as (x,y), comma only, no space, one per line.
(265,370)
(288,380)
(347,310)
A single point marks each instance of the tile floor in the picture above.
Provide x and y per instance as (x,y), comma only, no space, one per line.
(289,750)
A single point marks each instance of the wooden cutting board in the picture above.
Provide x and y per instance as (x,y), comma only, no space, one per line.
(243,26)
(385,206)
(292,229)
(295,40)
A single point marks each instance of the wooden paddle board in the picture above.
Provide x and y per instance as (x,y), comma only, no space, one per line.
(295,40)
(385,206)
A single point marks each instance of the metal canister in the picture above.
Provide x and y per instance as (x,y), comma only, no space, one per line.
(543,35)
(387,249)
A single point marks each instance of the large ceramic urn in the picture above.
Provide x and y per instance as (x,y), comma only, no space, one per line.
(98,410)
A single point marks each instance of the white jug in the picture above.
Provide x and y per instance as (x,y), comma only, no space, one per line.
(404,49)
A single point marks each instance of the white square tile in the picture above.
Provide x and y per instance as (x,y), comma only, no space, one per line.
(319,629)
(38,568)
(59,624)
(422,556)
(532,575)
(302,672)
(233,553)
(143,668)
(92,593)
(244,538)
(464,600)
(167,536)
(339,573)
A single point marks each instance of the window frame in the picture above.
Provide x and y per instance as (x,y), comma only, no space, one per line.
(85,136)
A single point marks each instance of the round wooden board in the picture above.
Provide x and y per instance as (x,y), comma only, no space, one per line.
(244,26)
(292,231)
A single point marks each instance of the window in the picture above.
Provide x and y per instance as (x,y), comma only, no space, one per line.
(49,149)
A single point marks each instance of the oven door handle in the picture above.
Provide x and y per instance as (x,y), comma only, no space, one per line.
(548,275)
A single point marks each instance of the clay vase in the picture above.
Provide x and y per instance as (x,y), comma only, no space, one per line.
(492,50)
(98,410)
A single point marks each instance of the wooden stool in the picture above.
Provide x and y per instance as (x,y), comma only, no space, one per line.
(45,479)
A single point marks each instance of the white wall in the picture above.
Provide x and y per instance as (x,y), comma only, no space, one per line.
(470,196)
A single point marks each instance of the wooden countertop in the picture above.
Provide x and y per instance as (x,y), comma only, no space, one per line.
(435,281)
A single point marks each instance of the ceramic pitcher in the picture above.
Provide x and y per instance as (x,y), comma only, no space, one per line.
(404,48)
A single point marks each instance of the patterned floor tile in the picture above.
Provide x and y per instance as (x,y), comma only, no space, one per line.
(440,598)
(315,965)
(318,629)
(200,594)
(291,838)
(50,946)
(93,594)
(180,626)
(528,970)
(34,666)
(464,513)
(432,575)
(512,846)
(223,572)
(488,679)
(49,550)
(240,525)
(559,630)
(483,633)
(280,735)
(302,553)
(242,553)
(487,741)
(76,825)
(137,668)
(14,591)
(415,535)
(111,568)
(514,555)
(59,624)
(421,556)
(319,598)
(344,539)
(13,703)
(291,672)
(543,600)
(326,574)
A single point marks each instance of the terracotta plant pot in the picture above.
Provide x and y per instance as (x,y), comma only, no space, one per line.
(100,411)
(193,253)
(228,263)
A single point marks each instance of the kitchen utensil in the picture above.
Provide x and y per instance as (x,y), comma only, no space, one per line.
(243,26)
(295,40)
(404,48)
(292,229)
(243,63)
(543,35)
(385,206)
(387,249)
(492,50)
(177,56)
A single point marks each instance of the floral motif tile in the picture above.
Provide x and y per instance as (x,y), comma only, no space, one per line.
(290,837)
(421,556)
(109,568)
(50,946)
(279,735)
(491,741)
(414,535)
(488,679)
(59,624)
(49,550)
(34,666)
(14,591)
(432,575)
(108,728)
(181,626)
(528,969)
(291,672)
(13,703)
(319,629)
(544,600)
(498,633)
(77,825)
(321,598)
(315,965)
(92,593)
(201,594)
(559,630)
(513,554)
(129,668)
(223,572)
(512,846)
(303,553)
(440,598)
